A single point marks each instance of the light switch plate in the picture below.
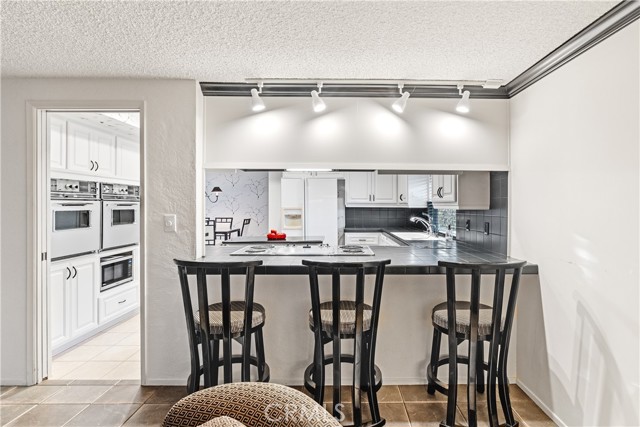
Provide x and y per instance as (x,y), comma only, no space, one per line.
(170,223)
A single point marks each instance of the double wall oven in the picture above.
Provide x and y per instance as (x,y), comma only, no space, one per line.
(75,217)
(120,215)
(89,217)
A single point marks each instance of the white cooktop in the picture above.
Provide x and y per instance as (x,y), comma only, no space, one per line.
(303,250)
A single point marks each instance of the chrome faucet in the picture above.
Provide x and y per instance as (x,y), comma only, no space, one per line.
(425,222)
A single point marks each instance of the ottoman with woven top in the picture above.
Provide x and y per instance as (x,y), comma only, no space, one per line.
(249,404)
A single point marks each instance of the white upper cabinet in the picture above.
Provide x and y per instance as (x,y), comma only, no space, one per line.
(359,187)
(128,159)
(385,189)
(469,191)
(57,142)
(372,189)
(444,189)
(81,149)
(403,190)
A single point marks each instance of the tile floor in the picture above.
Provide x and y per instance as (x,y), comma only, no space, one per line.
(111,355)
(88,403)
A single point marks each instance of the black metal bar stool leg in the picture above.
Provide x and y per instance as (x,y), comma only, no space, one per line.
(215,356)
(260,353)
(480,367)
(433,365)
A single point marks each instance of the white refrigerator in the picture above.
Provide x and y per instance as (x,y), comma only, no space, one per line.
(313,207)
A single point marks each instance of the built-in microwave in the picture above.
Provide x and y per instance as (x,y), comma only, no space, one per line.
(116,270)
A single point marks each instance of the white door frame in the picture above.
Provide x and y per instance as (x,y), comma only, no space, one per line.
(38,178)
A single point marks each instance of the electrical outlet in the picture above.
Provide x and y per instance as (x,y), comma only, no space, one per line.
(467,225)
(486,228)
(170,223)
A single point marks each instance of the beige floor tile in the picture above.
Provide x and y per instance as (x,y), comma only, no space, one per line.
(6,388)
(395,414)
(128,326)
(81,353)
(104,415)
(149,415)
(49,382)
(60,369)
(94,382)
(532,415)
(430,414)
(33,394)
(126,394)
(135,357)
(131,339)
(10,412)
(117,353)
(418,393)
(91,370)
(125,371)
(48,415)
(388,394)
(78,394)
(167,394)
(107,339)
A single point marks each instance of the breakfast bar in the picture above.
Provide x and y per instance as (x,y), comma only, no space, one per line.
(413,285)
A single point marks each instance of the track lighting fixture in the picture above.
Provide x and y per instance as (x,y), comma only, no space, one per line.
(317,102)
(257,104)
(464,104)
(400,104)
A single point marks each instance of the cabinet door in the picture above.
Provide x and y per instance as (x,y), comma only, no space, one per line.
(78,149)
(444,189)
(59,299)
(403,190)
(57,132)
(359,187)
(386,188)
(127,159)
(103,152)
(84,300)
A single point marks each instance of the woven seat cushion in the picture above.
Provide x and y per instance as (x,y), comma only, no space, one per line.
(347,317)
(237,316)
(252,404)
(463,321)
(222,422)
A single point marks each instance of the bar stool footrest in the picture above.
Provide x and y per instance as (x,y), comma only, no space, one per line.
(253,361)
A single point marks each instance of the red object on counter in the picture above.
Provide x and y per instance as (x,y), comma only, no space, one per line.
(274,235)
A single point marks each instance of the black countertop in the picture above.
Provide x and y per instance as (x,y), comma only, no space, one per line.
(411,259)
(248,240)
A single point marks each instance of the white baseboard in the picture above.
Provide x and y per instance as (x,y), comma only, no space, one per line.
(554,417)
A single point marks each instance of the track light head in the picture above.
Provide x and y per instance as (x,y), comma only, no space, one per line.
(257,104)
(400,103)
(317,102)
(464,105)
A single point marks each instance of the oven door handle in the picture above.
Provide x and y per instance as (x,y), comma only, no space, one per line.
(126,204)
(116,258)
(73,204)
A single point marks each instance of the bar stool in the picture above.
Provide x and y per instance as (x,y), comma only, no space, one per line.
(473,322)
(338,319)
(224,321)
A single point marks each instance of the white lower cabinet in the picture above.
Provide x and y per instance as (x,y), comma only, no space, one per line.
(73,286)
(369,239)
(117,301)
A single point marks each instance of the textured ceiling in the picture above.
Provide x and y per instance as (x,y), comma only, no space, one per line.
(232,41)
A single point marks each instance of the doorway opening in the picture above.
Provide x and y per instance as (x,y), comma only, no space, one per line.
(90,326)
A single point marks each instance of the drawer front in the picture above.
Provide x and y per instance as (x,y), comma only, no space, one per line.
(361,239)
(113,305)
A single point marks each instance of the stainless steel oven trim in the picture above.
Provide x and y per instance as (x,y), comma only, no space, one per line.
(113,259)
(115,284)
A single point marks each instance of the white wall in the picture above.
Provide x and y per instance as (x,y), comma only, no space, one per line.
(169,186)
(357,133)
(574,212)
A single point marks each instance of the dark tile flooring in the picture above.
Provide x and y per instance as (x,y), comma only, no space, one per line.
(126,403)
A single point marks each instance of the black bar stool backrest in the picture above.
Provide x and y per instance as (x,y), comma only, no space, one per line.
(336,269)
(201,270)
(476,270)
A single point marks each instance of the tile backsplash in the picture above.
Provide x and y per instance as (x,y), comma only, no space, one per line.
(381,217)
(496,216)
